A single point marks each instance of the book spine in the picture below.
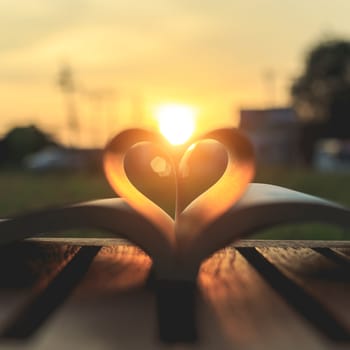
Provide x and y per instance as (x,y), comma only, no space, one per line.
(176,310)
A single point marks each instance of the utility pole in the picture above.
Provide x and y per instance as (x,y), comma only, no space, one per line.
(68,88)
(99,113)
(269,83)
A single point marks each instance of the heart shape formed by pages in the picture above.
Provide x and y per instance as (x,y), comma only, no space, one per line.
(150,170)
(207,206)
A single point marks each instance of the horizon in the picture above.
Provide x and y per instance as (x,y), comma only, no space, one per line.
(127,59)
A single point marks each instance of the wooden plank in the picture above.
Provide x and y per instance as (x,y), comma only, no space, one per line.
(46,299)
(320,276)
(241,243)
(291,243)
(339,256)
(113,307)
(116,269)
(79,241)
(345,252)
(110,309)
(26,269)
(25,263)
(252,315)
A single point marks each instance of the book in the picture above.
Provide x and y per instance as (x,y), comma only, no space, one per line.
(231,209)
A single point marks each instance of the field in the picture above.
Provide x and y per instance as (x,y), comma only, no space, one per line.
(27,191)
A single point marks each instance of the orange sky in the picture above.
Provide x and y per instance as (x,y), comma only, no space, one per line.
(214,55)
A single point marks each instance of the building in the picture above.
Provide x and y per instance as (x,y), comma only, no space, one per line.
(332,155)
(274,133)
(61,158)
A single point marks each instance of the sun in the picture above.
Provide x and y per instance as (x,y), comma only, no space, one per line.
(176,122)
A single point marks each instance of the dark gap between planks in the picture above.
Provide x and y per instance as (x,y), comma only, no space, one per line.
(334,256)
(296,297)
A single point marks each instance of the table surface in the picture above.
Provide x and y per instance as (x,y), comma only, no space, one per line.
(93,294)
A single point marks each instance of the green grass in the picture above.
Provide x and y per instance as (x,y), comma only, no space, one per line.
(333,186)
(22,191)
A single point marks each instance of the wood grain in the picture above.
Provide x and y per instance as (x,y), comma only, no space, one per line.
(25,270)
(324,279)
(113,305)
(345,252)
(242,243)
(250,312)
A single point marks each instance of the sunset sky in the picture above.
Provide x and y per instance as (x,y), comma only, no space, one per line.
(216,56)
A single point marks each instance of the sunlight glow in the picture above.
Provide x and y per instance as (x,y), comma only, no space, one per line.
(176,122)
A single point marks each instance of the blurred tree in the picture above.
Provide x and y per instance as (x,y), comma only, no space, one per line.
(22,141)
(321,95)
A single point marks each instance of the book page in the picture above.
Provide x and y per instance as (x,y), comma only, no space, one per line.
(113,215)
(224,193)
(263,206)
(113,161)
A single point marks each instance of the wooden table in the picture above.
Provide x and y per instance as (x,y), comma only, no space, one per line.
(93,294)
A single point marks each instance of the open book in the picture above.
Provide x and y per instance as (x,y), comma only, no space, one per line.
(230,209)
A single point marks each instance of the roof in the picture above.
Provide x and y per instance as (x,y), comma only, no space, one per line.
(253,118)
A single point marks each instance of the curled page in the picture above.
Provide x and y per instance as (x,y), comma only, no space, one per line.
(264,206)
(113,162)
(113,215)
(225,192)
